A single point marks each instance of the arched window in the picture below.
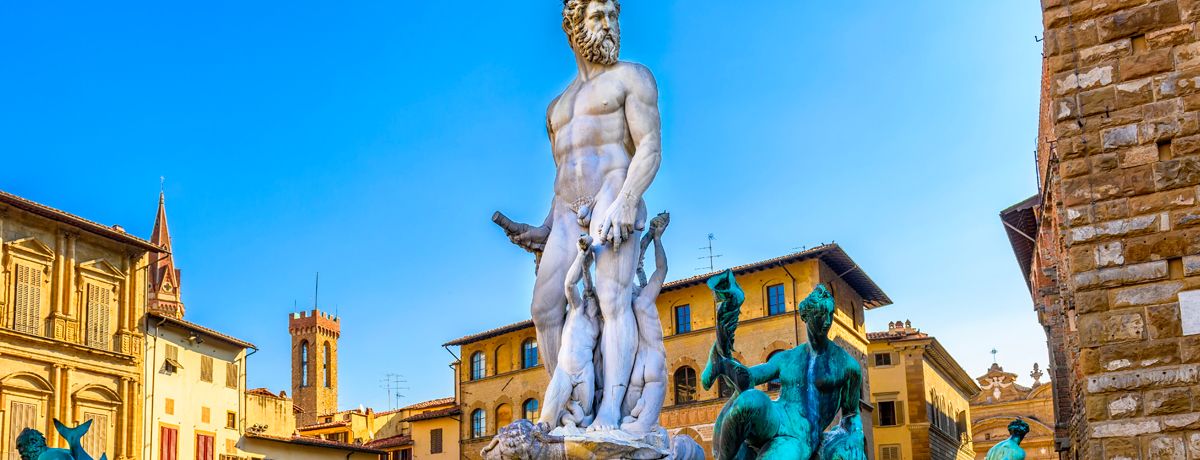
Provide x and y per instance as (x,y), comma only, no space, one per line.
(685,385)
(529,353)
(503,359)
(478,366)
(503,415)
(530,410)
(478,423)
(304,363)
(325,366)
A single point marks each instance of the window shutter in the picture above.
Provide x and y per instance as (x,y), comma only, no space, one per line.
(99,302)
(900,415)
(231,375)
(206,369)
(877,414)
(27,310)
(435,441)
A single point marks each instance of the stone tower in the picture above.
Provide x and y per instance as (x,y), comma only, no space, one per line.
(314,364)
(164,277)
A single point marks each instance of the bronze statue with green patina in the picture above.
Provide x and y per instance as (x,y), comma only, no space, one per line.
(1010,449)
(818,381)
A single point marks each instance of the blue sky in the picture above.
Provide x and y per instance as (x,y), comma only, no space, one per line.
(371,141)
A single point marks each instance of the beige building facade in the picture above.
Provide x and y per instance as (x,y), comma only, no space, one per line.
(500,377)
(1001,400)
(71,301)
(921,397)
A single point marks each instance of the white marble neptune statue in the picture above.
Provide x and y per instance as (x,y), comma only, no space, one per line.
(604,133)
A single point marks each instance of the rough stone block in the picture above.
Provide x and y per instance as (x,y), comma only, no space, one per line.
(1160,130)
(1181,172)
(1110,254)
(1124,428)
(1161,201)
(1095,77)
(1162,321)
(1143,378)
(1191,265)
(1186,55)
(1142,154)
(1138,20)
(1189,352)
(1099,100)
(1158,353)
(1144,64)
(1184,219)
(1073,168)
(1194,445)
(1166,447)
(1126,405)
(1121,136)
(1178,83)
(1082,257)
(1153,247)
(1119,327)
(1116,276)
(1171,36)
(1091,302)
(1111,209)
(1146,294)
(1181,422)
(1121,449)
(1129,94)
(1137,225)
(1096,54)
(1168,401)
(1104,162)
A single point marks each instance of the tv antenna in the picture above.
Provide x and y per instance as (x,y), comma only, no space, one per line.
(711,257)
(393,383)
(994,356)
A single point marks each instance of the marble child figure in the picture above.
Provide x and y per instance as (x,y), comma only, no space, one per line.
(570,395)
(605,137)
(1010,449)
(647,383)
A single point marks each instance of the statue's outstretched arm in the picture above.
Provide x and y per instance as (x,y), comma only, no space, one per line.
(655,283)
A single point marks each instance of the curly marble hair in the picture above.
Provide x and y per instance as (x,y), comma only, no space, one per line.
(1018,428)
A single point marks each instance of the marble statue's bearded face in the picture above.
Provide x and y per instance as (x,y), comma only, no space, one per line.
(593,30)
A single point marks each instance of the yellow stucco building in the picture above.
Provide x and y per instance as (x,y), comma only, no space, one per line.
(416,431)
(1002,400)
(500,377)
(72,299)
(921,397)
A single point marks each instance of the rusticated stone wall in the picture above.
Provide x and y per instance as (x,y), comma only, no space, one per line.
(1120,150)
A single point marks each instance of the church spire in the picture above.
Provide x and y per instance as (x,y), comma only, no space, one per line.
(164,277)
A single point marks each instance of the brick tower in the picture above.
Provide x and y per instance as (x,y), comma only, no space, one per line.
(314,364)
(164,277)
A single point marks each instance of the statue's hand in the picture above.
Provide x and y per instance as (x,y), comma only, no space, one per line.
(619,224)
(738,374)
(531,238)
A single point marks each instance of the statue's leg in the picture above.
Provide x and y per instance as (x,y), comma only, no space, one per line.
(649,406)
(549,300)
(786,448)
(752,418)
(558,393)
(614,278)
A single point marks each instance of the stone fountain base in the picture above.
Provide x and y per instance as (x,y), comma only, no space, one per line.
(522,440)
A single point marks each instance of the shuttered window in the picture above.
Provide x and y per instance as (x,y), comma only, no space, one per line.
(21,416)
(95,442)
(204,447)
(231,375)
(99,301)
(168,440)
(27,310)
(891,452)
(435,441)
(206,364)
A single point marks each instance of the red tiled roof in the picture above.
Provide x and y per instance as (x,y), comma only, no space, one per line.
(66,217)
(317,442)
(394,441)
(420,405)
(896,335)
(318,426)
(434,414)
(203,330)
(490,333)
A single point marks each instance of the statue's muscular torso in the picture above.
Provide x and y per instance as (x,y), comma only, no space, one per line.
(590,135)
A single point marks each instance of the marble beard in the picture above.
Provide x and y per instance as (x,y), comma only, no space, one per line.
(599,335)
